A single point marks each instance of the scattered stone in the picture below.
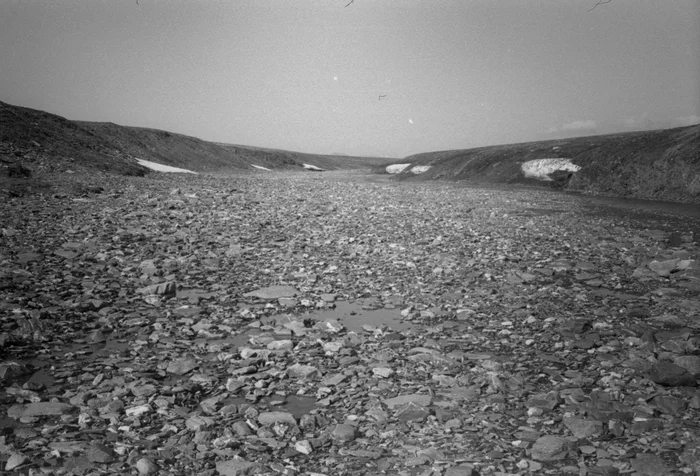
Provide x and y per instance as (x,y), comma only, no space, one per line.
(666,373)
(550,448)
(162,289)
(238,467)
(582,428)
(242,429)
(99,453)
(649,464)
(383,372)
(270,418)
(182,366)
(461,470)
(15,461)
(603,471)
(343,433)
(689,362)
(644,426)
(544,401)
(138,410)
(303,447)
(690,456)
(386,347)
(412,412)
(664,268)
(11,370)
(669,404)
(199,423)
(303,371)
(146,466)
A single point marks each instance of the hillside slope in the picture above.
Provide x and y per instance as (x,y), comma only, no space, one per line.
(656,165)
(269,157)
(168,148)
(113,148)
(27,131)
(188,152)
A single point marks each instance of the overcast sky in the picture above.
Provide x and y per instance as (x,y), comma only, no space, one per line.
(378,77)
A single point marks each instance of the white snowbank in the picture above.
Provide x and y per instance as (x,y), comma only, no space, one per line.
(419,169)
(541,168)
(312,167)
(260,167)
(163,168)
(397,168)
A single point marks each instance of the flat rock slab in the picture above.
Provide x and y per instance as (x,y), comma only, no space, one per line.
(15,460)
(421,400)
(24,258)
(649,464)
(550,448)
(40,409)
(273,292)
(162,289)
(582,428)
(238,467)
(303,371)
(270,418)
(412,412)
(689,362)
(182,366)
(672,375)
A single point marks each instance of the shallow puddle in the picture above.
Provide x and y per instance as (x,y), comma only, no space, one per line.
(353,317)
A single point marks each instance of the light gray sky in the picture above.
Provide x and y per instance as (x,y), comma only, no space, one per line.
(306,75)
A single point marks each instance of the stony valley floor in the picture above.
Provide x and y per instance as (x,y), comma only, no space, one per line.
(327,324)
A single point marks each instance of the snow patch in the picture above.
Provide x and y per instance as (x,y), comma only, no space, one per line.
(260,167)
(313,167)
(397,168)
(419,169)
(163,168)
(541,168)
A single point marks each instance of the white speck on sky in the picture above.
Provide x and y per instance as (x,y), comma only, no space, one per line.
(255,72)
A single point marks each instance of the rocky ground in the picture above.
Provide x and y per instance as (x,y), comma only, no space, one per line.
(319,324)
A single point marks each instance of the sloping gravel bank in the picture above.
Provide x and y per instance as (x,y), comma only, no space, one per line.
(183,325)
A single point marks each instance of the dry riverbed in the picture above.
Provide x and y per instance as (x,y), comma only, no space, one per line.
(325,324)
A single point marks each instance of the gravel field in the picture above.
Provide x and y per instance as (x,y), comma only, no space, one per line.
(344,324)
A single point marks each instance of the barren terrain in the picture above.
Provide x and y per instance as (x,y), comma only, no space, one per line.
(343,324)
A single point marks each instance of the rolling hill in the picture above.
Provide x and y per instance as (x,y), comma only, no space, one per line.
(655,165)
(114,148)
(28,132)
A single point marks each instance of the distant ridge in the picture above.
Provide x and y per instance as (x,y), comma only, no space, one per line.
(114,148)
